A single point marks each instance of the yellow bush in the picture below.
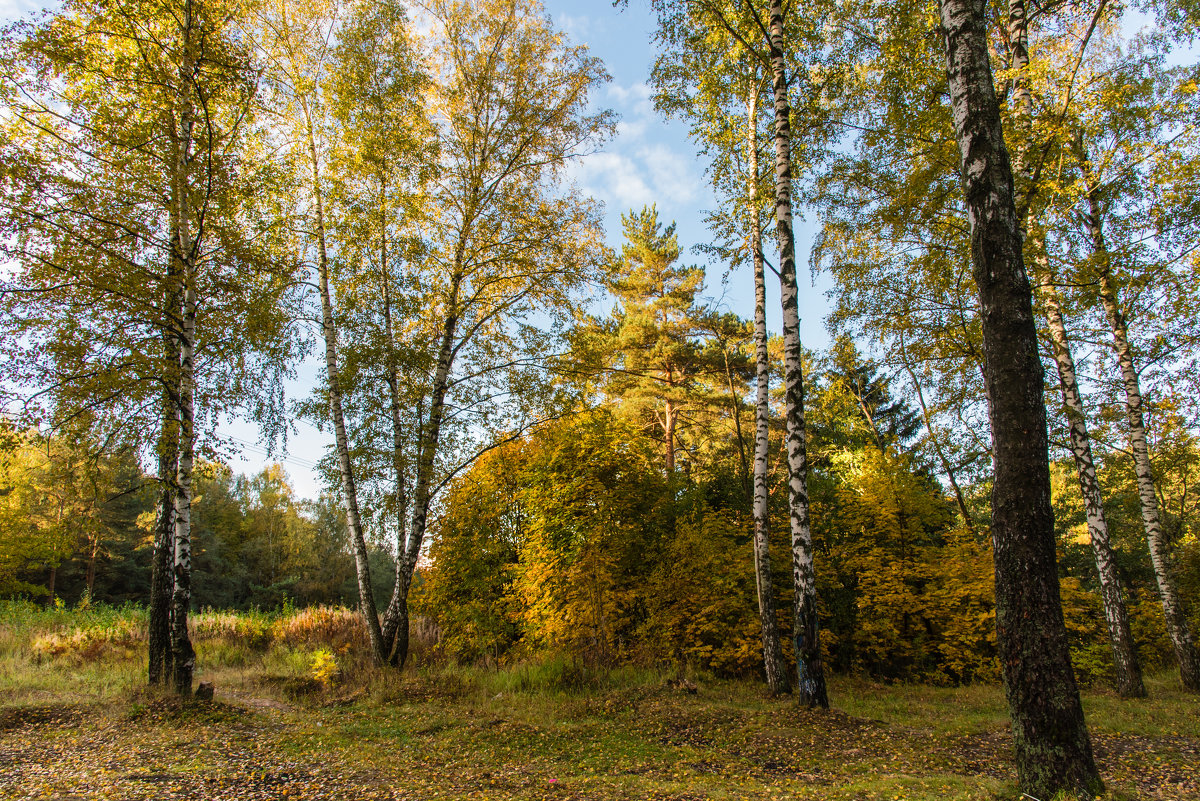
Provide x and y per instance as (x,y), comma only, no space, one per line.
(324,667)
(91,643)
(248,628)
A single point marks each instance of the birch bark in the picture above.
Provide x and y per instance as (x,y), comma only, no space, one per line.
(183,655)
(777,679)
(1129,672)
(184,253)
(430,435)
(395,616)
(1174,613)
(1053,749)
(162,585)
(810,672)
(366,597)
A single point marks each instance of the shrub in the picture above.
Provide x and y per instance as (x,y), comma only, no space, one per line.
(324,667)
(336,628)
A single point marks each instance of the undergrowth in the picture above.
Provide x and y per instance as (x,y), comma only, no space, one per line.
(304,681)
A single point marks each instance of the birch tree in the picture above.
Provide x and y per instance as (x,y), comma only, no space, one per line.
(707,82)
(772,650)
(132,121)
(1177,624)
(348,78)
(1146,143)
(887,248)
(506,238)
(1052,744)
(766,33)
(1129,675)
(1133,245)
(429,278)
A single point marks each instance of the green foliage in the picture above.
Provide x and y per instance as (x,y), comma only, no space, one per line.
(597,518)
(68,505)
(668,358)
(459,254)
(256,545)
(573,543)
(87,516)
(31,530)
(115,153)
(911,597)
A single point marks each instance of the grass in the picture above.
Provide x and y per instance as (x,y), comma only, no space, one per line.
(79,723)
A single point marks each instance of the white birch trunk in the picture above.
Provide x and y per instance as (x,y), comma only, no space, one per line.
(396,613)
(1174,613)
(773,665)
(427,454)
(162,583)
(184,656)
(810,673)
(366,596)
(185,253)
(1129,674)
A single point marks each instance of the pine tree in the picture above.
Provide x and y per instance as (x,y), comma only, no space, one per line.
(656,330)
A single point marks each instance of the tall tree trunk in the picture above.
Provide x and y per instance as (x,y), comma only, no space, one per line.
(183,656)
(1129,672)
(773,664)
(1174,612)
(162,585)
(427,453)
(1053,749)
(366,595)
(810,672)
(50,585)
(395,616)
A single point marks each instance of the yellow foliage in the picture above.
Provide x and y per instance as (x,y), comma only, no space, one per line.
(324,667)
(702,598)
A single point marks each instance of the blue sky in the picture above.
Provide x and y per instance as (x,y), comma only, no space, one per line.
(649,161)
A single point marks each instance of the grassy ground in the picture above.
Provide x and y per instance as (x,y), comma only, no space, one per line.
(78,724)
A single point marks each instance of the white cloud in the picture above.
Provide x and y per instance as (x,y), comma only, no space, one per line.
(625,178)
(675,175)
(629,130)
(578,28)
(17,9)
(615,179)
(634,100)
